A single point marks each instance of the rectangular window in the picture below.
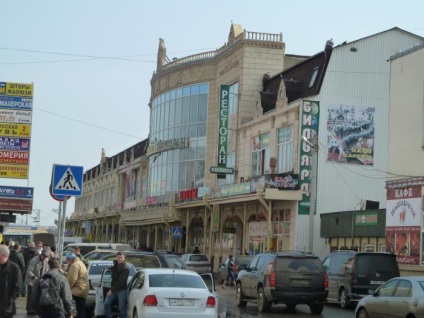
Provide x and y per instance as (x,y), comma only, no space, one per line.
(260,155)
(285,149)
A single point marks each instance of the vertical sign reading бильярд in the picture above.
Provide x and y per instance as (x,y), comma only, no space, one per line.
(15,129)
(309,121)
(224,99)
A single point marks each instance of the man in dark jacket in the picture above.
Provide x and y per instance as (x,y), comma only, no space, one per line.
(18,259)
(10,282)
(120,273)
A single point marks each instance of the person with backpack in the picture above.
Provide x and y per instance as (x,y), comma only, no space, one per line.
(37,267)
(52,295)
(10,282)
(230,271)
(77,276)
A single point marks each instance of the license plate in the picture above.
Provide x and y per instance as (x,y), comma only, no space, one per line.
(181,302)
(377,282)
(300,282)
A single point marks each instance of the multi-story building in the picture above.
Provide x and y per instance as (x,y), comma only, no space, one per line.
(225,167)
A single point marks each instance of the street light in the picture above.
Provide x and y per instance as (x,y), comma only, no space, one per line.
(313,190)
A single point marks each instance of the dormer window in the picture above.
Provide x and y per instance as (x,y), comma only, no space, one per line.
(314,77)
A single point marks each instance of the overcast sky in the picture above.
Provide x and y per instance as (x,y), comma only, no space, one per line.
(91,62)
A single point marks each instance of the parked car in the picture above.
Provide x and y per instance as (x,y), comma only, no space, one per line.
(142,260)
(197,262)
(166,292)
(103,286)
(351,274)
(95,270)
(242,261)
(289,278)
(85,248)
(398,297)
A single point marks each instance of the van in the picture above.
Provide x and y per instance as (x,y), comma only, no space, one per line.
(74,239)
(85,248)
(352,274)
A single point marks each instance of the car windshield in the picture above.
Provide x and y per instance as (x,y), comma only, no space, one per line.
(176,280)
(173,261)
(97,269)
(198,258)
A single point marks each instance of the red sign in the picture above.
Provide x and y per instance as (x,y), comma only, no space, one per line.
(188,194)
(14,157)
(21,205)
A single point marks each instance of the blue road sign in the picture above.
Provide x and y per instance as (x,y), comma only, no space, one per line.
(16,192)
(177,232)
(67,180)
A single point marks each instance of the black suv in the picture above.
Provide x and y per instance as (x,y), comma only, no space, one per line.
(289,278)
(352,274)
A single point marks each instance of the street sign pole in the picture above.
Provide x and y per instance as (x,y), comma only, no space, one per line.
(62,226)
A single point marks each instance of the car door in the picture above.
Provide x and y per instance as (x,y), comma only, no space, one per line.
(377,306)
(398,304)
(134,293)
(246,279)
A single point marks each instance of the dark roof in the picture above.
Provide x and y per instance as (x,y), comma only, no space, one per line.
(297,79)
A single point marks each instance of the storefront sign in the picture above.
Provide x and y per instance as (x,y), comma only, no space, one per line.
(14,157)
(235,189)
(309,121)
(189,194)
(160,146)
(366,218)
(15,116)
(224,99)
(16,89)
(281,181)
(21,205)
(15,130)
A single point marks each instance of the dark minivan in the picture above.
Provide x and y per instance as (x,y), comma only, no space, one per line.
(352,274)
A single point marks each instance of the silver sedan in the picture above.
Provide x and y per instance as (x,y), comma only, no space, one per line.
(398,297)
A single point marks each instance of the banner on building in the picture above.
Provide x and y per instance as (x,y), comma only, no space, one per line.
(350,134)
(224,100)
(403,224)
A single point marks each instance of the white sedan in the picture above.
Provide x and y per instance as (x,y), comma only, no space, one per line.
(166,292)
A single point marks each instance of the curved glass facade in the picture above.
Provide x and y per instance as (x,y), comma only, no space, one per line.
(178,116)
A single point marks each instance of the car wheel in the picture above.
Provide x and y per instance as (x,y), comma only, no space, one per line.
(263,303)
(362,313)
(344,302)
(239,296)
(316,309)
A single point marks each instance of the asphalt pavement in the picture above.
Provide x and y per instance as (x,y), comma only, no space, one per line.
(229,291)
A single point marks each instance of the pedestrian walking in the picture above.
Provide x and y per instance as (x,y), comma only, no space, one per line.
(37,267)
(77,276)
(53,298)
(118,289)
(10,282)
(18,259)
(29,253)
(230,272)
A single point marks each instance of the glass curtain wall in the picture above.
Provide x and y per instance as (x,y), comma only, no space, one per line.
(180,113)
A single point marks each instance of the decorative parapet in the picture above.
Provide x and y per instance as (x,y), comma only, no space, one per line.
(206,56)
(403,183)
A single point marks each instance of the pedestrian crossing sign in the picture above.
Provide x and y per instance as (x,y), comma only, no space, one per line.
(67,180)
(177,232)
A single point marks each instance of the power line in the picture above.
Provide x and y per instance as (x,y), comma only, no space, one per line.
(88,124)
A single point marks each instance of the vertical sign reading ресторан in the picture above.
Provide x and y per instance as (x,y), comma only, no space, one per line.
(224,99)
(15,129)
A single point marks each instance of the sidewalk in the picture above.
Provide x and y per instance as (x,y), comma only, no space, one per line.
(21,310)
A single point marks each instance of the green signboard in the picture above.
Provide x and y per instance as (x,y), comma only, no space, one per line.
(224,100)
(365,218)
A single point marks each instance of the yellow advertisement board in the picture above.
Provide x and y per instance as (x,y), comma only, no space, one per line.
(14,171)
(18,89)
(15,130)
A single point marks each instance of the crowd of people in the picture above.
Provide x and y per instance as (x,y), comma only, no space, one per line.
(51,292)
